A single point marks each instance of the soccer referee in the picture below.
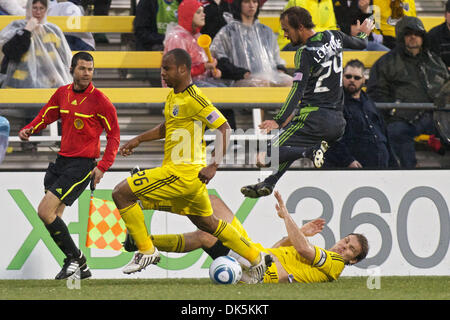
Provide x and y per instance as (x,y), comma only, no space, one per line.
(84,112)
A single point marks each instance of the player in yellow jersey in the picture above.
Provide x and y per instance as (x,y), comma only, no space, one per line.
(295,258)
(179,185)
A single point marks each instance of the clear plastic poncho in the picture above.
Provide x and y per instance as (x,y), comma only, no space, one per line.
(253,48)
(69,9)
(4,136)
(46,64)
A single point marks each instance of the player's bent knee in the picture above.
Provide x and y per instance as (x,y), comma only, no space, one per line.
(122,195)
(48,208)
(207,224)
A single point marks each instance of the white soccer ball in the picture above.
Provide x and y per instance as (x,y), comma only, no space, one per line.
(225,270)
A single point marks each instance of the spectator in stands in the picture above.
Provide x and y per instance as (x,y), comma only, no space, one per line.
(323,17)
(349,14)
(439,38)
(191,19)
(408,73)
(386,14)
(247,50)
(365,143)
(37,54)
(217,14)
(98,8)
(13,7)
(184,35)
(150,23)
(78,41)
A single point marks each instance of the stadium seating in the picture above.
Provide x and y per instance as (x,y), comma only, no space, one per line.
(137,106)
(124,24)
(152,59)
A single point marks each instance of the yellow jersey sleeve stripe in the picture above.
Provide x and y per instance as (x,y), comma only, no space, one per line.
(321,257)
(48,109)
(37,126)
(197,97)
(84,115)
(106,121)
(64,111)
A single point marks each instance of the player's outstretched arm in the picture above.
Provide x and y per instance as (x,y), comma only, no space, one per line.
(156,133)
(309,229)
(295,235)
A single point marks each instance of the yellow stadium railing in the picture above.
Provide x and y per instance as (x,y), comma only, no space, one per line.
(124,24)
(154,95)
(113,24)
(152,59)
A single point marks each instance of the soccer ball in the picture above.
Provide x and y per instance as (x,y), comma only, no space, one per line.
(225,270)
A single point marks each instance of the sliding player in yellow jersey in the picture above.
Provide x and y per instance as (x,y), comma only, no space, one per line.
(179,185)
(295,258)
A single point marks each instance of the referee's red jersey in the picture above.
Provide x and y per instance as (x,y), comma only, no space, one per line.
(83,116)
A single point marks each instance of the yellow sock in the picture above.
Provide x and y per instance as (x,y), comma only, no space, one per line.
(134,221)
(169,242)
(232,239)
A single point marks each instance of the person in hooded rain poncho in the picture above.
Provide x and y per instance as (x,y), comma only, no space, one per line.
(36,52)
(247,50)
(409,73)
(184,35)
(78,41)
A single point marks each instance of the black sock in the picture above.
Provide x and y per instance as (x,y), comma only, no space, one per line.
(217,250)
(273,178)
(60,234)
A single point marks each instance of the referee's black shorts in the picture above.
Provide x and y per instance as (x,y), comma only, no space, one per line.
(67,177)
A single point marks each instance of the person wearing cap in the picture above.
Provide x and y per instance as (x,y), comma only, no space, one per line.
(439,37)
(409,73)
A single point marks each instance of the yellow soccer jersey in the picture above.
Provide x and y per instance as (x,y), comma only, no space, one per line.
(327,265)
(386,18)
(187,114)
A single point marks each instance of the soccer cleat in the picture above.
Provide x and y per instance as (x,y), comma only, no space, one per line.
(74,266)
(129,244)
(260,189)
(141,261)
(255,274)
(82,273)
(318,155)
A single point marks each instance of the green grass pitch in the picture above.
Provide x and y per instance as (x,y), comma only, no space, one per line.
(346,288)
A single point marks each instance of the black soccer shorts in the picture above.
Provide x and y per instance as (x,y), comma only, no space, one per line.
(67,177)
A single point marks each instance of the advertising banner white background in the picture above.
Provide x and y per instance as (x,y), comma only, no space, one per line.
(404,215)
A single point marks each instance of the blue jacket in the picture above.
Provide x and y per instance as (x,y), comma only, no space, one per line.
(365,138)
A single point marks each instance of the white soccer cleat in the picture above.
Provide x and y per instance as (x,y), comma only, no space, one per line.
(319,154)
(255,274)
(141,261)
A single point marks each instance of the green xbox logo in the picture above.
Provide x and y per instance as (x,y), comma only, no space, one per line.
(39,232)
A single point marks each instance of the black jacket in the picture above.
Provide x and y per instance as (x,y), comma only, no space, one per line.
(400,76)
(365,138)
(439,39)
(15,48)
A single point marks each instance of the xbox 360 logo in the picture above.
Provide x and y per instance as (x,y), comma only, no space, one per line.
(348,222)
(39,232)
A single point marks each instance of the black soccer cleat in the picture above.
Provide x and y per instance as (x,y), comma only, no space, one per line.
(260,189)
(129,244)
(74,267)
